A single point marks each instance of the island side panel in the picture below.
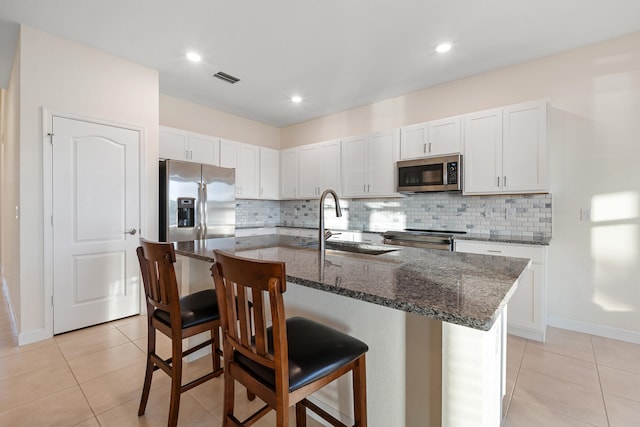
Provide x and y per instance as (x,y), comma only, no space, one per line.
(473,370)
(403,362)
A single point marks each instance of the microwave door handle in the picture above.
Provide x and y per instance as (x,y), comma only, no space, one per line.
(445,181)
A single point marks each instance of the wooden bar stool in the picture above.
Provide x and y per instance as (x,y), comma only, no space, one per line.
(177,318)
(286,362)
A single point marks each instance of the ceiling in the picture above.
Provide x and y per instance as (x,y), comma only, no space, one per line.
(336,54)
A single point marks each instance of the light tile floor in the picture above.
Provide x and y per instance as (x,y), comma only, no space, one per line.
(93,377)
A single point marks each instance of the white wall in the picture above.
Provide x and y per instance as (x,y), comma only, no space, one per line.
(196,118)
(11,188)
(67,77)
(594,92)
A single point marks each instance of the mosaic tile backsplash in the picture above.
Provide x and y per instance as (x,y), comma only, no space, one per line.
(515,215)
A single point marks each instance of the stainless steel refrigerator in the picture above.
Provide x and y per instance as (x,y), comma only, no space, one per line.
(197,201)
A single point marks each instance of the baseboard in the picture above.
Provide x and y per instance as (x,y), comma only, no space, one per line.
(593,329)
(526,333)
(35,335)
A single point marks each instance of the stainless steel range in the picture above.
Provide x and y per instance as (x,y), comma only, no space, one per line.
(427,239)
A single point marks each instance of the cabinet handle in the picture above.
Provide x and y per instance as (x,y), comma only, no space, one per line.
(498,181)
(186,154)
(505,180)
(429,147)
(368,188)
(364,188)
(424,149)
(494,251)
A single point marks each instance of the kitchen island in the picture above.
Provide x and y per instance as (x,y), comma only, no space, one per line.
(434,322)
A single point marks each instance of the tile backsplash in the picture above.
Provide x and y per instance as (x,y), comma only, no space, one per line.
(515,215)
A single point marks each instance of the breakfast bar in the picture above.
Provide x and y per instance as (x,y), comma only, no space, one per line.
(434,321)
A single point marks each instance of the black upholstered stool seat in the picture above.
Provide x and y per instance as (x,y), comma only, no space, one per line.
(315,350)
(195,309)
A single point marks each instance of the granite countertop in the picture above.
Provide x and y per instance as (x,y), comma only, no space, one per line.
(460,288)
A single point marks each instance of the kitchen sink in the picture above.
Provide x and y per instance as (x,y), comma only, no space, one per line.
(358,248)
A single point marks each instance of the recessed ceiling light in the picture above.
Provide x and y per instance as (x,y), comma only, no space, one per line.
(296,99)
(443,47)
(194,57)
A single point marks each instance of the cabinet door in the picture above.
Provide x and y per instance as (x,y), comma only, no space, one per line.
(248,171)
(268,173)
(204,149)
(381,163)
(289,174)
(482,163)
(229,154)
(329,166)
(354,160)
(526,314)
(309,185)
(413,141)
(173,143)
(524,147)
(444,136)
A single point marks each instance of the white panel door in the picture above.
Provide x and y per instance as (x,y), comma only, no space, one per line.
(96,218)
(289,174)
(413,141)
(444,136)
(204,149)
(174,144)
(248,171)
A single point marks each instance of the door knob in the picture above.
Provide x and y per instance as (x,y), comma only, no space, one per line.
(132,231)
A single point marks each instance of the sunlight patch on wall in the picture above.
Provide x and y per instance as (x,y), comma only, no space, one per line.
(614,250)
(615,207)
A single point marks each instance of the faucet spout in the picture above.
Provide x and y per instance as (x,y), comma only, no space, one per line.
(322,236)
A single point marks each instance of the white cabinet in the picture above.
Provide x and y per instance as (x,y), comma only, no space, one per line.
(319,168)
(269,173)
(245,158)
(289,173)
(180,144)
(505,150)
(368,164)
(526,310)
(431,138)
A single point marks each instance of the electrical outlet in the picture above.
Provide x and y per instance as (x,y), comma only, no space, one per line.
(487,212)
(511,213)
(585,214)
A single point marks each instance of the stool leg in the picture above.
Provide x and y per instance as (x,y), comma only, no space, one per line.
(176,381)
(360,392)
(215,347)
(301,415)
(148,375)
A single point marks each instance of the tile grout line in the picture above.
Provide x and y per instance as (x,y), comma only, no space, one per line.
(604,402)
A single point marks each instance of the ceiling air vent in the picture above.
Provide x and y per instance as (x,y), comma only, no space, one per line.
(226,77)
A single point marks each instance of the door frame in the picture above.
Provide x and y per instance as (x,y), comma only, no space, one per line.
(47,206)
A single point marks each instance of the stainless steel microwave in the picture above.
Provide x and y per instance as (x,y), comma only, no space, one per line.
(438,173)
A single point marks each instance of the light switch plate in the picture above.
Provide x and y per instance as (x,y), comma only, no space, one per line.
(585,214)
(511,213)
(487,212)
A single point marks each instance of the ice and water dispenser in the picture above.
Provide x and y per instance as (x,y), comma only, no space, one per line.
(186,212)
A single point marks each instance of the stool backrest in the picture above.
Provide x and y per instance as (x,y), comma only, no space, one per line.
(157,261)
(239,281)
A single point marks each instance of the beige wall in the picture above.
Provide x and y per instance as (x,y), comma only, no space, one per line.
(594,93)
(196,118)
(67,77)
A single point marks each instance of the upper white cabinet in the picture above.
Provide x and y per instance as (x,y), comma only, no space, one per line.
(289,173)
(505,150)
(319,168)
(431,138)
(245,158)
(368,164)
(269,173)
(179,144)
(526,310)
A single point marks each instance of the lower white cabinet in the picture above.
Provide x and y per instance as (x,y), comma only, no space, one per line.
(527,309)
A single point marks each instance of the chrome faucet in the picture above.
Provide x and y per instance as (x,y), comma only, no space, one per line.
(322,235)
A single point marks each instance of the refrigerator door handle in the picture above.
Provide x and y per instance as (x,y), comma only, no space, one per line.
(204,217)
